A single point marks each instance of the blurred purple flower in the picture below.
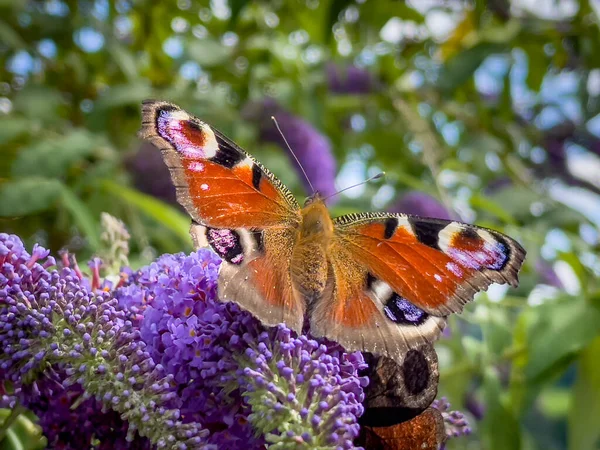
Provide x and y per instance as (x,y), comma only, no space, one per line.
(420,204)
(150,175)
(311,147)
(547,274)
(349,79)
(455,422)
(474,406)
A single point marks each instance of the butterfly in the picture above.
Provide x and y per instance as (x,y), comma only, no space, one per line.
(376,282)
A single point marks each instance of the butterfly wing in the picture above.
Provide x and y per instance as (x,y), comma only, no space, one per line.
(218,183)
(393,278)
(238,208)
(437,265)
(255,271)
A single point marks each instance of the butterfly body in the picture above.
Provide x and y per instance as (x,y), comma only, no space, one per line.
(377,282)
(310,258)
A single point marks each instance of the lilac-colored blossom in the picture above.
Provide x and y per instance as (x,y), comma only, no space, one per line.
(349,79)
(57,334)
(455,422)
(159,355)
(420,204)
(311,147)
(232,372)
(150,174)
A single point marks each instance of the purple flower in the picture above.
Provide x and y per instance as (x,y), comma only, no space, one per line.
(150,174)
(455,422)
(232,373)
(420,204)
(57,335)
(311,147)
(307,389)
(149,361)
(349,80)
(548,274)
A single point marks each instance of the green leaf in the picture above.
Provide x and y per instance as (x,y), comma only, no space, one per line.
(563,329)
(335,8)
(13,127)
(52,157)
(22,434)
(584,432)
(208,52)
(124,94)
(38,102)
(480,201)
(125,60)
(10,38)
(502,427)
(236,7)
(161,212)
(460,68)
(28,195)
(537,66)
(82,217)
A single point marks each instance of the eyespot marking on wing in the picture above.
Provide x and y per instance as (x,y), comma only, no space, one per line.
(226,243)
(189,138)
(401,311)
(474,248)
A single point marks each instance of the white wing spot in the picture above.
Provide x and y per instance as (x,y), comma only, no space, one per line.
(438,277)
(204,187)
(196,166)
(453,267)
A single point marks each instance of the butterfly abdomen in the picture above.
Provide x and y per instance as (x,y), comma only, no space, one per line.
(309,266)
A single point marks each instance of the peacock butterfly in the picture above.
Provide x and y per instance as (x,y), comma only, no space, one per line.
(376,282)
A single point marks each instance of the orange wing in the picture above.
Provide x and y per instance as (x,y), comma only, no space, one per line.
(255,272)
(363,313)
(238,208)
(437,265)
(218,183)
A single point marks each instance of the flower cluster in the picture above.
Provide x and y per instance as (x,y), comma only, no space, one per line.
(455,422)
(349,80)
(235,376)
(57,337)
(147,362)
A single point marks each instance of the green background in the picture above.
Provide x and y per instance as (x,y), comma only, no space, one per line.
(492,108)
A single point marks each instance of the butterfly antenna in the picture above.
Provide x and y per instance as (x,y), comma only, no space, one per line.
(374,177)
(292,152)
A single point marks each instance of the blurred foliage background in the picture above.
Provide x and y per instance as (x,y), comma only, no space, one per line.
(484,111)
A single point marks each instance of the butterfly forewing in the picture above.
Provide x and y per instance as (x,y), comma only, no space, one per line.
(437,265)
(218,183)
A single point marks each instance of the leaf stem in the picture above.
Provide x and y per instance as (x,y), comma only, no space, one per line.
(17,410)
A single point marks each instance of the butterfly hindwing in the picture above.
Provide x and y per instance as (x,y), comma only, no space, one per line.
(436,265)
(363,313)
(217,182)
(255,271)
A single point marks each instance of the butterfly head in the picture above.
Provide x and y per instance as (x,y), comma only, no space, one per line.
(315,217)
